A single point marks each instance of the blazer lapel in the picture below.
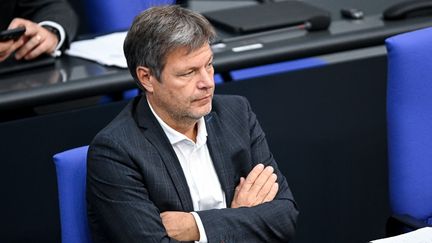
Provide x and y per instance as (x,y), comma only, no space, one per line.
(220,155)
(155,134)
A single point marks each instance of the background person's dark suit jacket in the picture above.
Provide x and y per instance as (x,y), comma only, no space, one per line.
(37,11)
(133,175)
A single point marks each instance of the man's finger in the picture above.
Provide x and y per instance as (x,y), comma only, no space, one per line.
(31,28)
(261,180)
(239,186)
(251,177)
(266,188)
(5,45)
(5,49)
(31,44)
(272,194)
(42,48)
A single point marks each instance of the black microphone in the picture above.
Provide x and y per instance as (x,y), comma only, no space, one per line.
(319,22)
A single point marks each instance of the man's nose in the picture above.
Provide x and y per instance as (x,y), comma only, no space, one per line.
(206,79)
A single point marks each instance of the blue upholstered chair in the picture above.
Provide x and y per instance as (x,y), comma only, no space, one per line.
(105,16)
(409,118)
(71,179)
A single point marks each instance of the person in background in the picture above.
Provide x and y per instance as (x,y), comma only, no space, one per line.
(180,163)
(50,27)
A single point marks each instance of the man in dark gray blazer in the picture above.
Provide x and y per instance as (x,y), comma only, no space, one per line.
(50,26)
(179,164)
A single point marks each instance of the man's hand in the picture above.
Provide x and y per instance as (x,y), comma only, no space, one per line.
(260,186)
(7,47)
(35,41)
(180,226)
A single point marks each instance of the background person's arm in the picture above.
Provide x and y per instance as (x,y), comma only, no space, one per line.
(58,11)
(35,41)
(51,25)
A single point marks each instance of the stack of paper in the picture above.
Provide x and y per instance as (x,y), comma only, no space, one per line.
(106,50)
(423,235)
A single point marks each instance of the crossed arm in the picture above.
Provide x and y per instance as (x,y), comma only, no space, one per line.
(258,187)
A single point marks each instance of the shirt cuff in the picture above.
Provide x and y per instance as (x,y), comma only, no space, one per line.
(203,236)
(62,33)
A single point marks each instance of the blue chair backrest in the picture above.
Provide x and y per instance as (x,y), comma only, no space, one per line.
(409,118)
(105,16)
(71,179)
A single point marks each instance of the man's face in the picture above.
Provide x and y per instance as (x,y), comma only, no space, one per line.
(185,90)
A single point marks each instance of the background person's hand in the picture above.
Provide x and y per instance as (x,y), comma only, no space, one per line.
(7,47)
(260,186)
(35,41)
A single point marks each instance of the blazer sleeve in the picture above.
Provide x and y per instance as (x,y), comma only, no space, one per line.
(58,11)
(274,221)
(118,204)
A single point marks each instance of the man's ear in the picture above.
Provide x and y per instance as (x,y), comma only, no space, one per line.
(145,78)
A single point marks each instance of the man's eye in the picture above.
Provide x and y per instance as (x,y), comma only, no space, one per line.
(187,74)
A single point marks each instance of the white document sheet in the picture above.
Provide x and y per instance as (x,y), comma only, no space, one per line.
(423,235)
(106,50)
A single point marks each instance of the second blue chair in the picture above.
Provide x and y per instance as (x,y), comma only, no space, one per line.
(409,120)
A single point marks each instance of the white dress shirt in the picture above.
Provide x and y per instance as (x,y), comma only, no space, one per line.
(203,182)
(62,33)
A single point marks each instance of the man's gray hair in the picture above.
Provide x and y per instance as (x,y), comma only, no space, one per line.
(158,31)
